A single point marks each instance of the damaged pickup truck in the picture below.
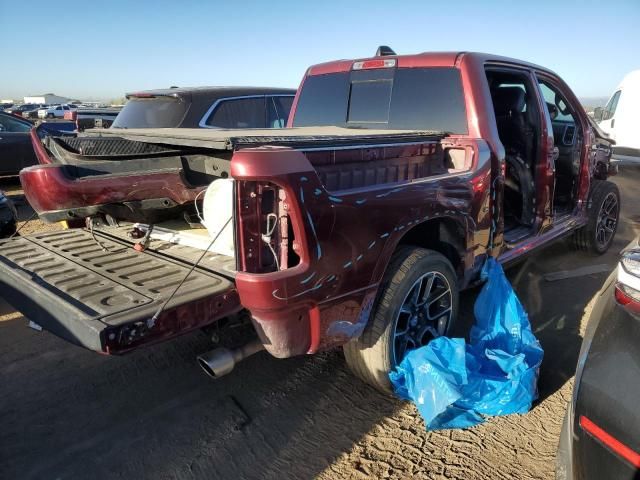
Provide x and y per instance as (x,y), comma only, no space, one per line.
(356,226)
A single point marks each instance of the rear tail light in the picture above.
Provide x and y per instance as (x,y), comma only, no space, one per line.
(628,286)
(610,441)
(370,64)
(628,297)
(265,234)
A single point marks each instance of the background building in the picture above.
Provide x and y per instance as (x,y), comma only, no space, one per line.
(47,99)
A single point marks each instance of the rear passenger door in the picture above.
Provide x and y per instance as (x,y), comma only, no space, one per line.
(238,112)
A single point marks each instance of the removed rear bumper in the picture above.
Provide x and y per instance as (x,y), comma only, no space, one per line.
(63,192)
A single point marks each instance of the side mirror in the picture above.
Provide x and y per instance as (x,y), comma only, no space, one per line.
(597,114)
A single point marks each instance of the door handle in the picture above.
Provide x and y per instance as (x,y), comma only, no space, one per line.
(613,122)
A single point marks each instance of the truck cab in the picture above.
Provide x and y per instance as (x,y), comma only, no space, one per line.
(543,148)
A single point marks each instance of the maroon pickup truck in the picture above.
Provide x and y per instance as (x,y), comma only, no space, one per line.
(357,226)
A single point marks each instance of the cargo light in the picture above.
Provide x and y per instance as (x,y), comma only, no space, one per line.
(371,64)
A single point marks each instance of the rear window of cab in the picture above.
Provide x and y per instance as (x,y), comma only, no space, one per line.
(387,98)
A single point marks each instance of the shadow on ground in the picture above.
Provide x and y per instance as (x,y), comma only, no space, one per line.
(153,414)
(69,413)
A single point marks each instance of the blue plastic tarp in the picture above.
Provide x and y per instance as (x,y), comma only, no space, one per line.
(458,385)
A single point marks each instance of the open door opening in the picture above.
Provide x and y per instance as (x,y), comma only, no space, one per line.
(518,123)
(568,138)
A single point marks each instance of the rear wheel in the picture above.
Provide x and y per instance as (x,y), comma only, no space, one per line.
(418,301)
(604,212)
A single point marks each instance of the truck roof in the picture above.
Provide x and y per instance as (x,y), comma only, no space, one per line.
(425,59)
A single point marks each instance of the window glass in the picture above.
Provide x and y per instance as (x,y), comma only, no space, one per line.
(403,98)
(239,113)
(323,100)
(430,99)
(612,105)
(11,125)
(369,101)
(278,108)
(155,112)
(553,98)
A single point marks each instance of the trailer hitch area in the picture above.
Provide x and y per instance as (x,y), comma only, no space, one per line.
(221,361)
(143,244)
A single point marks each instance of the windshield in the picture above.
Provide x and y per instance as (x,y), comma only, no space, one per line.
(155,112)
(386,98)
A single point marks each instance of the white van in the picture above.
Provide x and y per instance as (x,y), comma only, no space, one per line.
(620,118)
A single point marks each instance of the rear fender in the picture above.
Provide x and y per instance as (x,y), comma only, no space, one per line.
(346,239)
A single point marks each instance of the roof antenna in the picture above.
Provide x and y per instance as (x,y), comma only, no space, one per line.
(383,51)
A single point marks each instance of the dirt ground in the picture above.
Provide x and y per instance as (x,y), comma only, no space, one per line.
(67,413)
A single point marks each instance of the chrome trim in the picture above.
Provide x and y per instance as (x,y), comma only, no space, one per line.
(214,105)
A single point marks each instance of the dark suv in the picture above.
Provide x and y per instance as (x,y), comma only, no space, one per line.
(8,216)
(207,107)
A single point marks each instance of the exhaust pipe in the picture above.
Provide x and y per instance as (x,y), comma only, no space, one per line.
(220,361)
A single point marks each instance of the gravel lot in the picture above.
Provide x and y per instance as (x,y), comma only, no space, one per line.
(67,413)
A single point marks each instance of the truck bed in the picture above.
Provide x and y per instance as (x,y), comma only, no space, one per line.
(105,300)
(151,175)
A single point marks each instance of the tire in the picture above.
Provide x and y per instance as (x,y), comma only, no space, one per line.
(373,355)
(604,195)
(50,115)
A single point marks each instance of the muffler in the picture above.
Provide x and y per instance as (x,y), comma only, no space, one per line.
(220,361)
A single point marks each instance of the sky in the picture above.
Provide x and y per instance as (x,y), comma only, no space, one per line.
(98,50)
